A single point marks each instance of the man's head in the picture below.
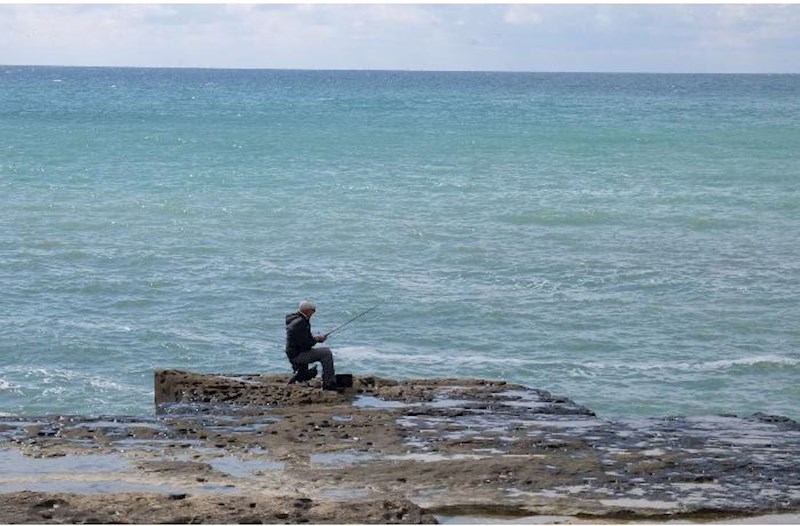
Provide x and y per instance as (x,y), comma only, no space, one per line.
(307,308)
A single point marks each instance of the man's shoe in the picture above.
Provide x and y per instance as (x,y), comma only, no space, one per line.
(307,375)
(304,376)
(330,387)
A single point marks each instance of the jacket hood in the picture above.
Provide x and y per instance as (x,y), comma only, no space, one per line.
(292,317)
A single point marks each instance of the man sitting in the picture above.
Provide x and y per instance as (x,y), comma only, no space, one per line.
(301,351)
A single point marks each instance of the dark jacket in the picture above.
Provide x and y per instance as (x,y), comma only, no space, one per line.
(298,335)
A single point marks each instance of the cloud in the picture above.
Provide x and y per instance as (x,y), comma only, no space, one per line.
(523,15)
(404,36)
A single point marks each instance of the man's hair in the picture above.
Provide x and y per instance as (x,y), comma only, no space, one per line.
(306,305)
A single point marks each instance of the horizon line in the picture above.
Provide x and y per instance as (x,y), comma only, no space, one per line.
(396,70)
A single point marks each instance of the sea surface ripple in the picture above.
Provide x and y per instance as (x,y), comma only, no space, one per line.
(629,241)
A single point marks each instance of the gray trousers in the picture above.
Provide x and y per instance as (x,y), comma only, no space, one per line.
(322,355)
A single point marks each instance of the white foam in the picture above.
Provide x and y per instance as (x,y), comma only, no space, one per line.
(464,358)
(582,370)
(56,382)
(768,359)
(4,384)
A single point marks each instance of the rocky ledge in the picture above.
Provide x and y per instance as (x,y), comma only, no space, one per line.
(252,449)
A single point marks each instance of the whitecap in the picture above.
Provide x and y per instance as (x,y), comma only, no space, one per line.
(769,359)
(6,385)
(56,379)
(463,358)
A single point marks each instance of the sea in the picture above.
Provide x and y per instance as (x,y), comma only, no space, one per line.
(629,241)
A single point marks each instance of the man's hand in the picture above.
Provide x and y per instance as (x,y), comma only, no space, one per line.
(320,338)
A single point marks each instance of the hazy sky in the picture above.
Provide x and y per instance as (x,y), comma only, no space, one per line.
(756,38)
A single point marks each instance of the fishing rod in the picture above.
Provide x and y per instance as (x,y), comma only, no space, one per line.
(351,320)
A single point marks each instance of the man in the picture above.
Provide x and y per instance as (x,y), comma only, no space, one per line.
(300,347)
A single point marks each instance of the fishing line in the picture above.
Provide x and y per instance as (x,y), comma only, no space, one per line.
(351,320)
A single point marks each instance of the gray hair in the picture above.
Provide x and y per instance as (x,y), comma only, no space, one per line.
(306,305)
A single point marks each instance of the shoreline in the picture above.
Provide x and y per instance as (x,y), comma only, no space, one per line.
(457,451)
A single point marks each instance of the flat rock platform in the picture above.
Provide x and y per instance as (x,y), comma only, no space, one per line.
(253,449)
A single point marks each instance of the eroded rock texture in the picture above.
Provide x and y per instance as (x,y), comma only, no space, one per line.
(250,448)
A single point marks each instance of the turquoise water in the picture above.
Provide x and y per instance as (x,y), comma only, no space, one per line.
(629,241)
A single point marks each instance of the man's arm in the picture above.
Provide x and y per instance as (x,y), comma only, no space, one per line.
(300,334)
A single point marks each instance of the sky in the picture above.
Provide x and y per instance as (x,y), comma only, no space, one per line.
(665,38)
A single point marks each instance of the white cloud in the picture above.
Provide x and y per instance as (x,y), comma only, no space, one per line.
(401,36)
(523,15)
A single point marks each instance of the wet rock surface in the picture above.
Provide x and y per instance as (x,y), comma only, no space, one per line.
(248,448)
(182,508)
